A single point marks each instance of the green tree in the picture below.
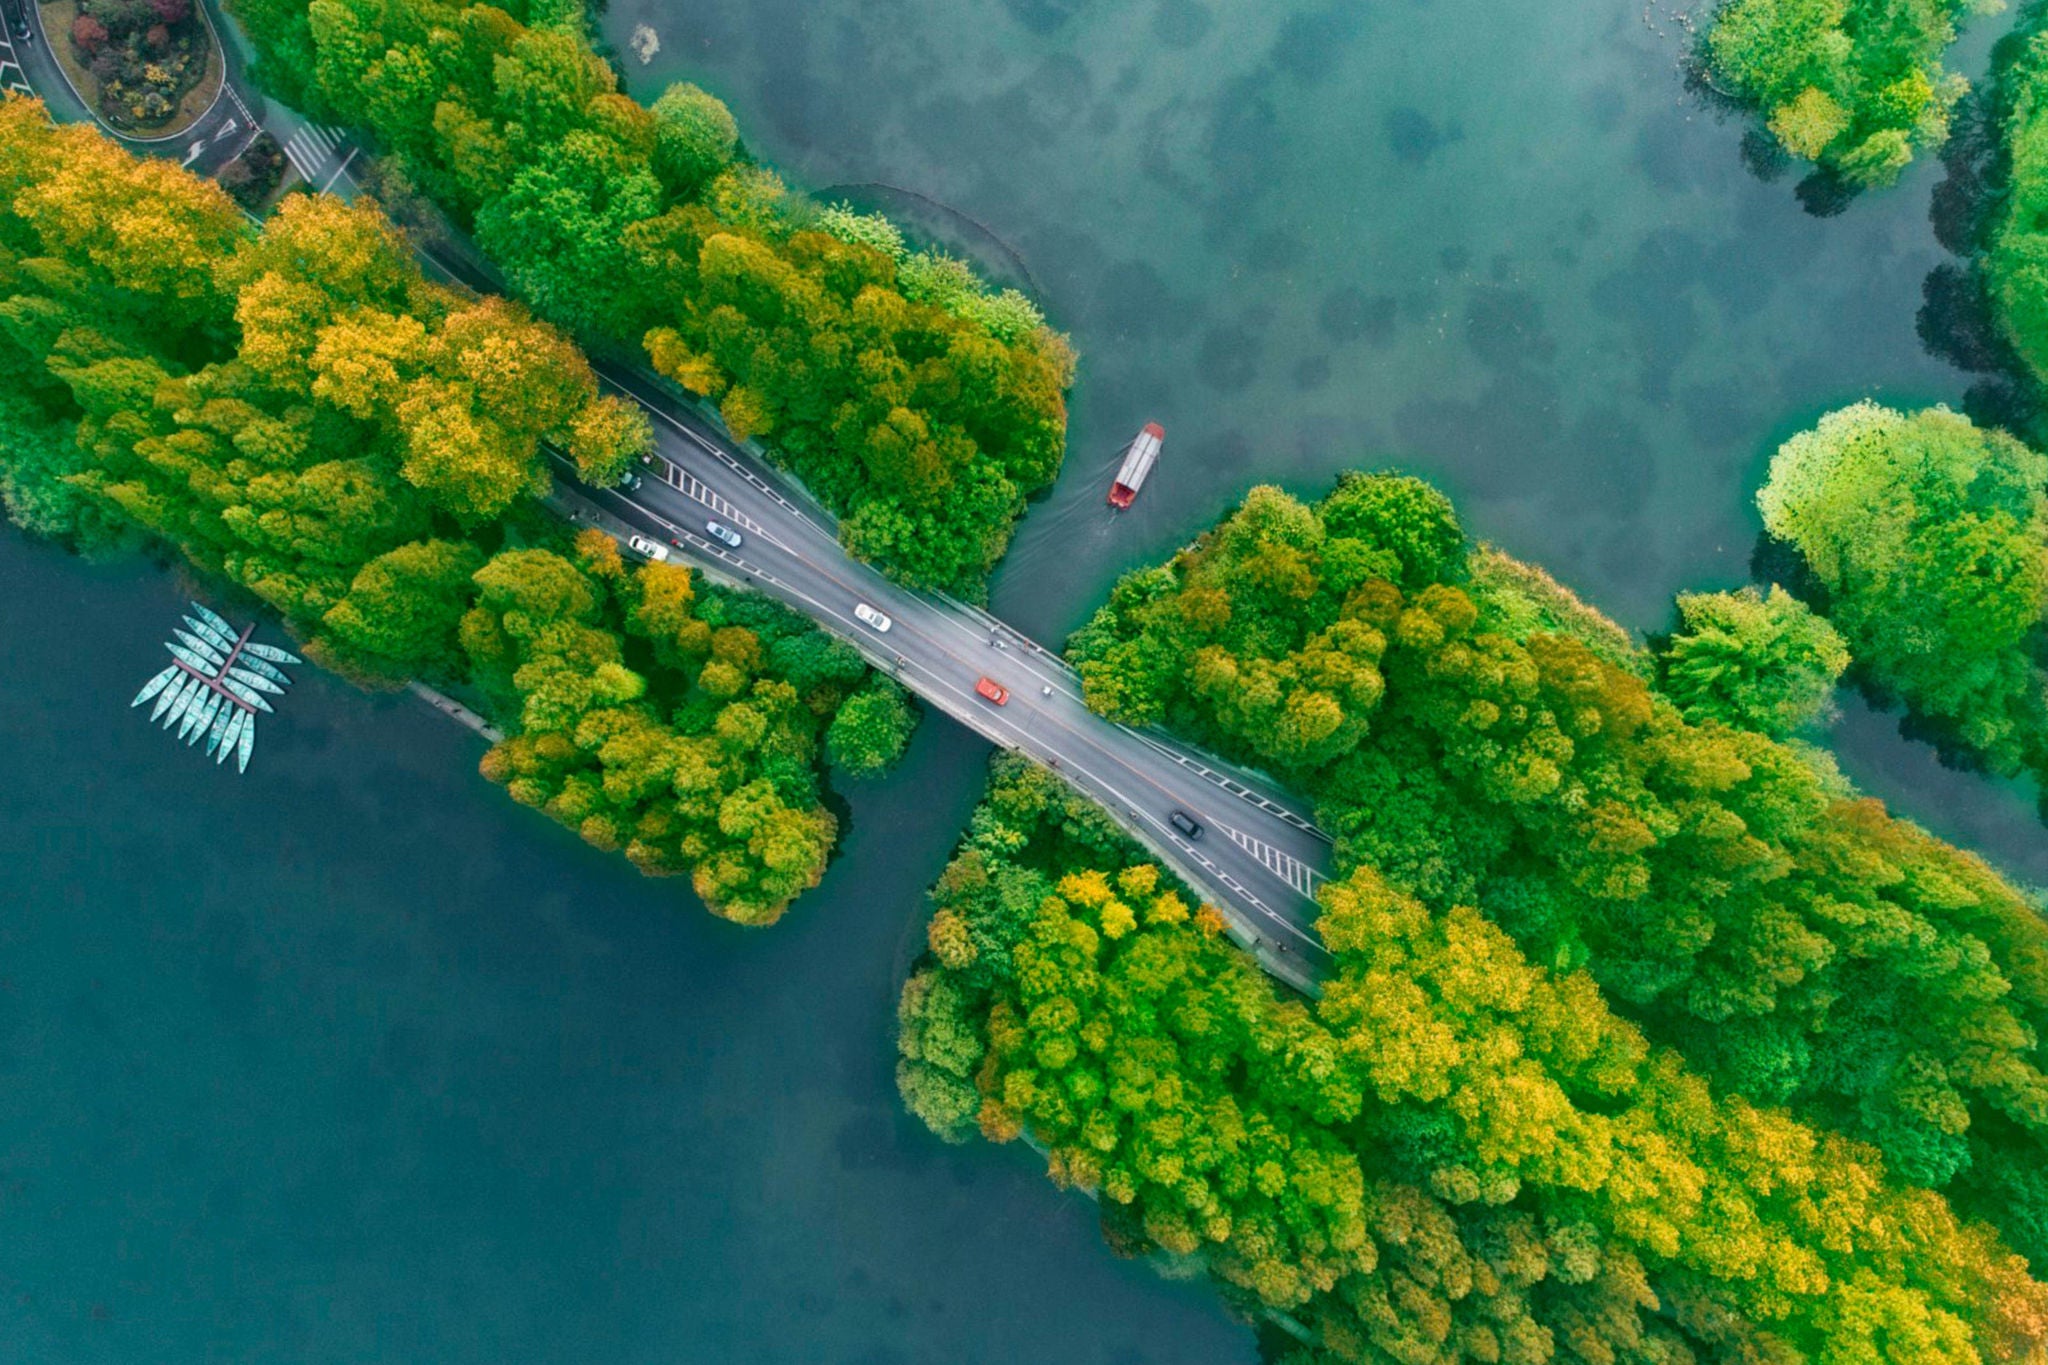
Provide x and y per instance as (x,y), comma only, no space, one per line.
(402,612)
(299,412)
(1484,740)
(694,138)
(916,403)
(1762,663)
(872,728)
(1855,85)
(1930,535)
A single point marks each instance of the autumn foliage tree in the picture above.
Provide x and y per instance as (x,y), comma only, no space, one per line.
(1455,1155)
(298,412)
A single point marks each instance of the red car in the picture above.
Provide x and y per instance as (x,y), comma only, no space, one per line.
(994,691)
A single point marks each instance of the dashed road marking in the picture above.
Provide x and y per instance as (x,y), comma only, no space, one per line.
(943,692)
(1234,787)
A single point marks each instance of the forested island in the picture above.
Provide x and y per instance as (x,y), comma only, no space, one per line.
(1649,1038)
(296,411)
(918,405)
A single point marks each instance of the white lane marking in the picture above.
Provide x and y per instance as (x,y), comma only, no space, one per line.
(338,170)
(1062,675)
(1232,785)
(1288,868)
(311,148)
(690,486)
(759,484)
(10,62)
(974,716)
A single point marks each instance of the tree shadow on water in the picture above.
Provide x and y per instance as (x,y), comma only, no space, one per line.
(1764,157)
(1823,194)
(1957,322)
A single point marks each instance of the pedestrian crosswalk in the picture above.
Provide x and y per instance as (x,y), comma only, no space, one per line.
(312,150)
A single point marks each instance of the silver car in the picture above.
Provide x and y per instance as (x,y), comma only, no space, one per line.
(724,533)
(871,618)
(641,545)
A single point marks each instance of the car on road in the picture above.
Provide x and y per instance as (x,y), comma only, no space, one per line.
(629,482)
(994,691)
(724,533)
(1186,824)
(871,618)
(641,545)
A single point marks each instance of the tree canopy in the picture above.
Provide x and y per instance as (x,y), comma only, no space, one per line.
(1929,535)
(1455,1155)
(1854,85)
(1751,660)
(1731,893)
(916,403)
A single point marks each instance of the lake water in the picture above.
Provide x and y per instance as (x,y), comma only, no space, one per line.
(352,1060)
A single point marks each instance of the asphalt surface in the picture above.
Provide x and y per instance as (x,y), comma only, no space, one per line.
(1256,858)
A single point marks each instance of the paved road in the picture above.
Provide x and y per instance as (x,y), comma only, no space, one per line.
(1256,858)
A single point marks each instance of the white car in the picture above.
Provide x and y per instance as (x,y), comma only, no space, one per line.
(871,618)
(724,533)
(643,546)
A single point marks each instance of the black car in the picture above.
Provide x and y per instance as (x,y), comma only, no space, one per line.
(1186,824)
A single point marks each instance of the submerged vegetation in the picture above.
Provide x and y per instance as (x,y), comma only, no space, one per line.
(1647,1040)
(916,404)
(298,412)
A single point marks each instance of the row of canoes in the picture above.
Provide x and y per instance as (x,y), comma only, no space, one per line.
(216,686)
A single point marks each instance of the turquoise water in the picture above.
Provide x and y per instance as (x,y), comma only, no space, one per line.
(351,1060)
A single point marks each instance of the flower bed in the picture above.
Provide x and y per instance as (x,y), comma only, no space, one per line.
(147,66)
